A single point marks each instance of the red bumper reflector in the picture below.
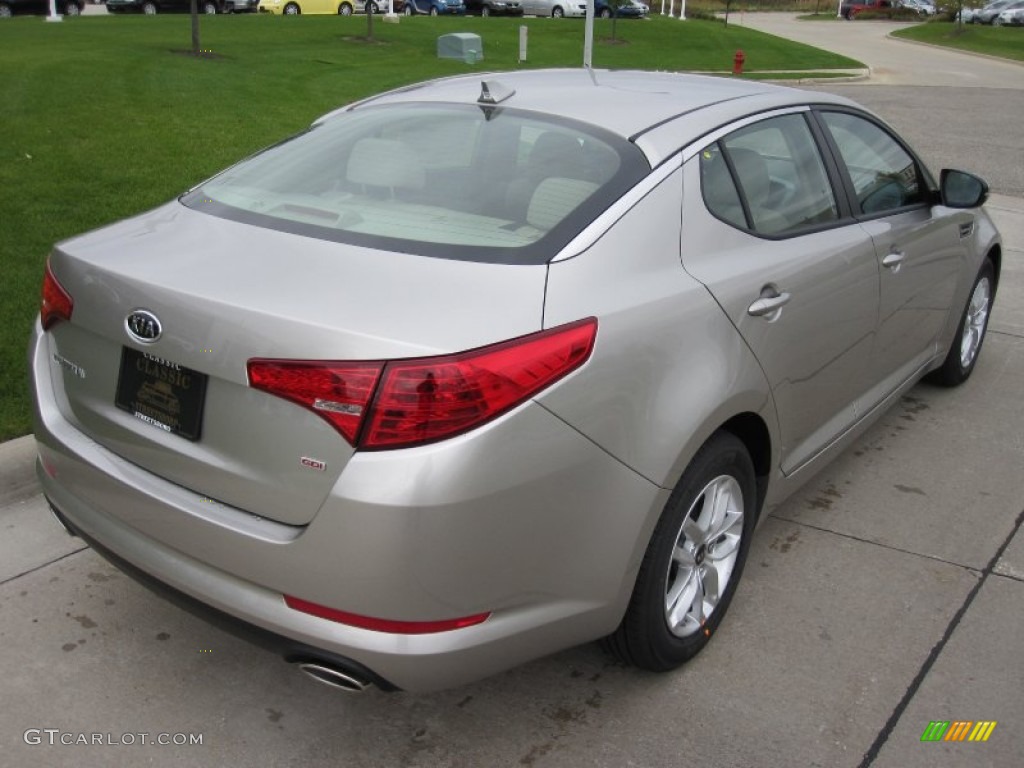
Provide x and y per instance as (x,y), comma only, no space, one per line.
(383,625)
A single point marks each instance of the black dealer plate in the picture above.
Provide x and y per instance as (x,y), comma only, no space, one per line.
(161,393)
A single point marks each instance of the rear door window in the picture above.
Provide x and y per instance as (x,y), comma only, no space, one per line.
(769,177)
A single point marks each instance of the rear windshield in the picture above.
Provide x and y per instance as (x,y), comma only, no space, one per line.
(452,181)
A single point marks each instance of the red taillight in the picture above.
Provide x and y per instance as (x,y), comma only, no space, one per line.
(420,401)
(338,392)
(55,304)
(383,625)
(410,402)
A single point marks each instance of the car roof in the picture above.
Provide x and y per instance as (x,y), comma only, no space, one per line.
(660,111)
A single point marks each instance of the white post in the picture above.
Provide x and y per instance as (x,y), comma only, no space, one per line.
(522,43)
(391,9)
(53,12)
(588,36)
(682,11)
(839,10)
(662,7)
(671,8)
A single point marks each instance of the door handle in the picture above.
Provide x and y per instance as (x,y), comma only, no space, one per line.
(766,306)
(894,261)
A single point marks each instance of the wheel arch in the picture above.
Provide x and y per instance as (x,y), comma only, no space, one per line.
(753,432)
(995,255)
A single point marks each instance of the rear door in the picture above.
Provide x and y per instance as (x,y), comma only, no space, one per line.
(763,231)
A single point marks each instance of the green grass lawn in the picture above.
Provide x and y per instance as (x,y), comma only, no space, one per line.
(1007,42)
(103,119)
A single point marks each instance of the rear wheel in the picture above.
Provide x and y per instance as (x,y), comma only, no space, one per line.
(970,334)
(485,11)
(433,11)
(344,9)
(557,12)
(694,560)
(5,11)
(149,9)
(408,9)
(210,9)
(606,13)
(292,10)
(72,9)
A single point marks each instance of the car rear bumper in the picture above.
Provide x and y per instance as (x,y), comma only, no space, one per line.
(524,519)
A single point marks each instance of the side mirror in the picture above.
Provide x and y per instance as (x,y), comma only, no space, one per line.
(960,189)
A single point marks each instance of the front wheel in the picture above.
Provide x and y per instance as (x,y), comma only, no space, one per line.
(606,13)
(5,11)
(694,560)
(433,11)
(557,12)
(210,9)
(72,9)
(485,11)
(970,334)
(408,9)
(344,9)
(149,9)
(292,10)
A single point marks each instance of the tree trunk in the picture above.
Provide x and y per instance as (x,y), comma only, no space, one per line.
(194,9)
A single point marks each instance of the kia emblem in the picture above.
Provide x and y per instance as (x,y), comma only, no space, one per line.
(143,326)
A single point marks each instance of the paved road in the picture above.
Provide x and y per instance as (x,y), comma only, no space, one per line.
(887,594)
(892,61)
(968,116)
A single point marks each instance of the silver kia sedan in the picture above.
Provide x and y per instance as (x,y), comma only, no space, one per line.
(491,366)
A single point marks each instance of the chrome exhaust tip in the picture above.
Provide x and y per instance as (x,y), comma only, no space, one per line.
(336,678)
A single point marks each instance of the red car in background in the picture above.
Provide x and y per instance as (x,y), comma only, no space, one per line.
(880,7)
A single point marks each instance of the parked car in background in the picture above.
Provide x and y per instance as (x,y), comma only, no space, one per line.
(434,7)
(10,8)
(476,370)
(922,7)
(1010,17)
(556,8)
(151,7)
(631,9)
(851,10)
(321,7)
(495,7)
(988,14)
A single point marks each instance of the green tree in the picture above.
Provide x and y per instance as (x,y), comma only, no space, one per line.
(193,8)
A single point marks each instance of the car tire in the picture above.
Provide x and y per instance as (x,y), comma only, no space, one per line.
(292,10)
(210,9)
(606,13)
(970,333)
(344,9)
(695,547)
(557,12)
(149,9)
(72,9)
(433,11)
(5,11)
(485,11)
(408,11)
